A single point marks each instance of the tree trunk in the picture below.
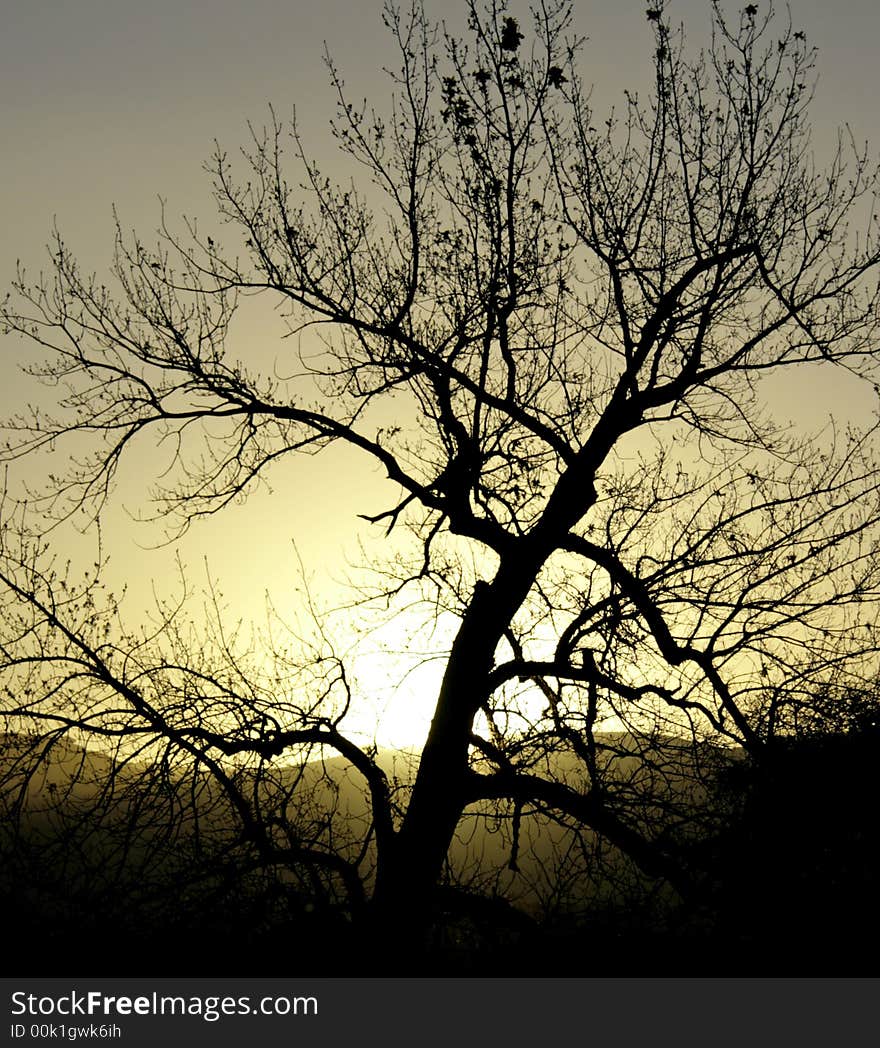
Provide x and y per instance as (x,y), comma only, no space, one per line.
(405,885)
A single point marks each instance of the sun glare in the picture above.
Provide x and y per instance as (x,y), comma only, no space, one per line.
(395,696)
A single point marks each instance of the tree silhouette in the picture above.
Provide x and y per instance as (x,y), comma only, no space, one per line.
(572,321)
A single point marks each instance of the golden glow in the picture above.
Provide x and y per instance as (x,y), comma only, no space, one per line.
(142,128)
(393,704)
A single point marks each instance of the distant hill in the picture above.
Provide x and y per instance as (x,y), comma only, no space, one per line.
(72,882)
(146,836)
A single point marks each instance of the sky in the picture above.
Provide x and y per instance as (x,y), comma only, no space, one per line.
(115,102)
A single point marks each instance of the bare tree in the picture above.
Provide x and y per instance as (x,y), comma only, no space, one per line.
(572,321)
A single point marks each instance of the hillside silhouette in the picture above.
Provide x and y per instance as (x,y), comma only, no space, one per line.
(789,873)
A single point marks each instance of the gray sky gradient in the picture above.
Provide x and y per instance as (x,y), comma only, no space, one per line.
(118,102)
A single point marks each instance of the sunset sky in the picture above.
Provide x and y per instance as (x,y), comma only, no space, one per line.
(111,102)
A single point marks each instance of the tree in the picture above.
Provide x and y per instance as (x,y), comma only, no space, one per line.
(572,322)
